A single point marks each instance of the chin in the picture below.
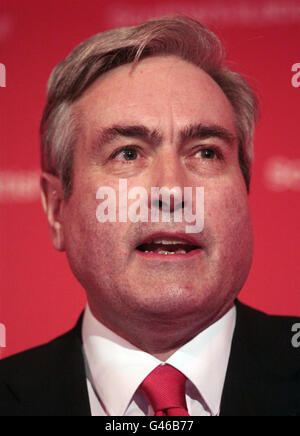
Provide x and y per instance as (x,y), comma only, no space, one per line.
(174,300)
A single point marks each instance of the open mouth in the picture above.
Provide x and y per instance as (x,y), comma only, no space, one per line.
(167,246)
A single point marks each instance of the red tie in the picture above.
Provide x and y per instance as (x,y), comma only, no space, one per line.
(165,390)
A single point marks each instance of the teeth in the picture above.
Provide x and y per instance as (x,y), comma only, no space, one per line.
(167,252)
(168,242)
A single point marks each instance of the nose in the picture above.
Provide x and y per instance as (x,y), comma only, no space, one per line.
(168,181)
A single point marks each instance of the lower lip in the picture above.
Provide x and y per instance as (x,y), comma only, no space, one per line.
(169,257)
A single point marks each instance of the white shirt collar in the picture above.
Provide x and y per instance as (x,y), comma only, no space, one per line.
(117,367)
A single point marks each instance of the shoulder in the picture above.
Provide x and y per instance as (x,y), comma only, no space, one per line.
(46,357)
(256,318)
(263,373)
(271,339)
(45,380)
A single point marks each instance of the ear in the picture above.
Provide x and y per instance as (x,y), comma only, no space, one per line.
(53,203)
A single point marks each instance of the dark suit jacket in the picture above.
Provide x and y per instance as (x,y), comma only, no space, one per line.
(263,376)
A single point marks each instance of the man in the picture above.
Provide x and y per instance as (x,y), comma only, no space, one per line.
(153,106)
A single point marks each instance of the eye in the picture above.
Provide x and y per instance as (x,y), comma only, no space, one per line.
(126,153)
(210,153)
(207,153)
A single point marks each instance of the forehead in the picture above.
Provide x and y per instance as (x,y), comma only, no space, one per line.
(158,91)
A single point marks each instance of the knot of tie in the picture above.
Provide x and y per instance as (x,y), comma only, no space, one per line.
(165,390)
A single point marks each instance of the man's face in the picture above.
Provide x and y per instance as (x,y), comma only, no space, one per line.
(124,284)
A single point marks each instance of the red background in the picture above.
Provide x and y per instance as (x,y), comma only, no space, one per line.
(39,296)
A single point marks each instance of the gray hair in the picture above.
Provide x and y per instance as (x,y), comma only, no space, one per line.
(181,36)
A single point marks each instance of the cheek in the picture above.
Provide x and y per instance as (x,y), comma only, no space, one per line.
(91,246)
(228,223)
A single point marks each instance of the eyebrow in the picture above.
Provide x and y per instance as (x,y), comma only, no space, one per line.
(202,131)
(107,135)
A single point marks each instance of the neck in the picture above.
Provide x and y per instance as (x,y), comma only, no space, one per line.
(159,337)
(163,357)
